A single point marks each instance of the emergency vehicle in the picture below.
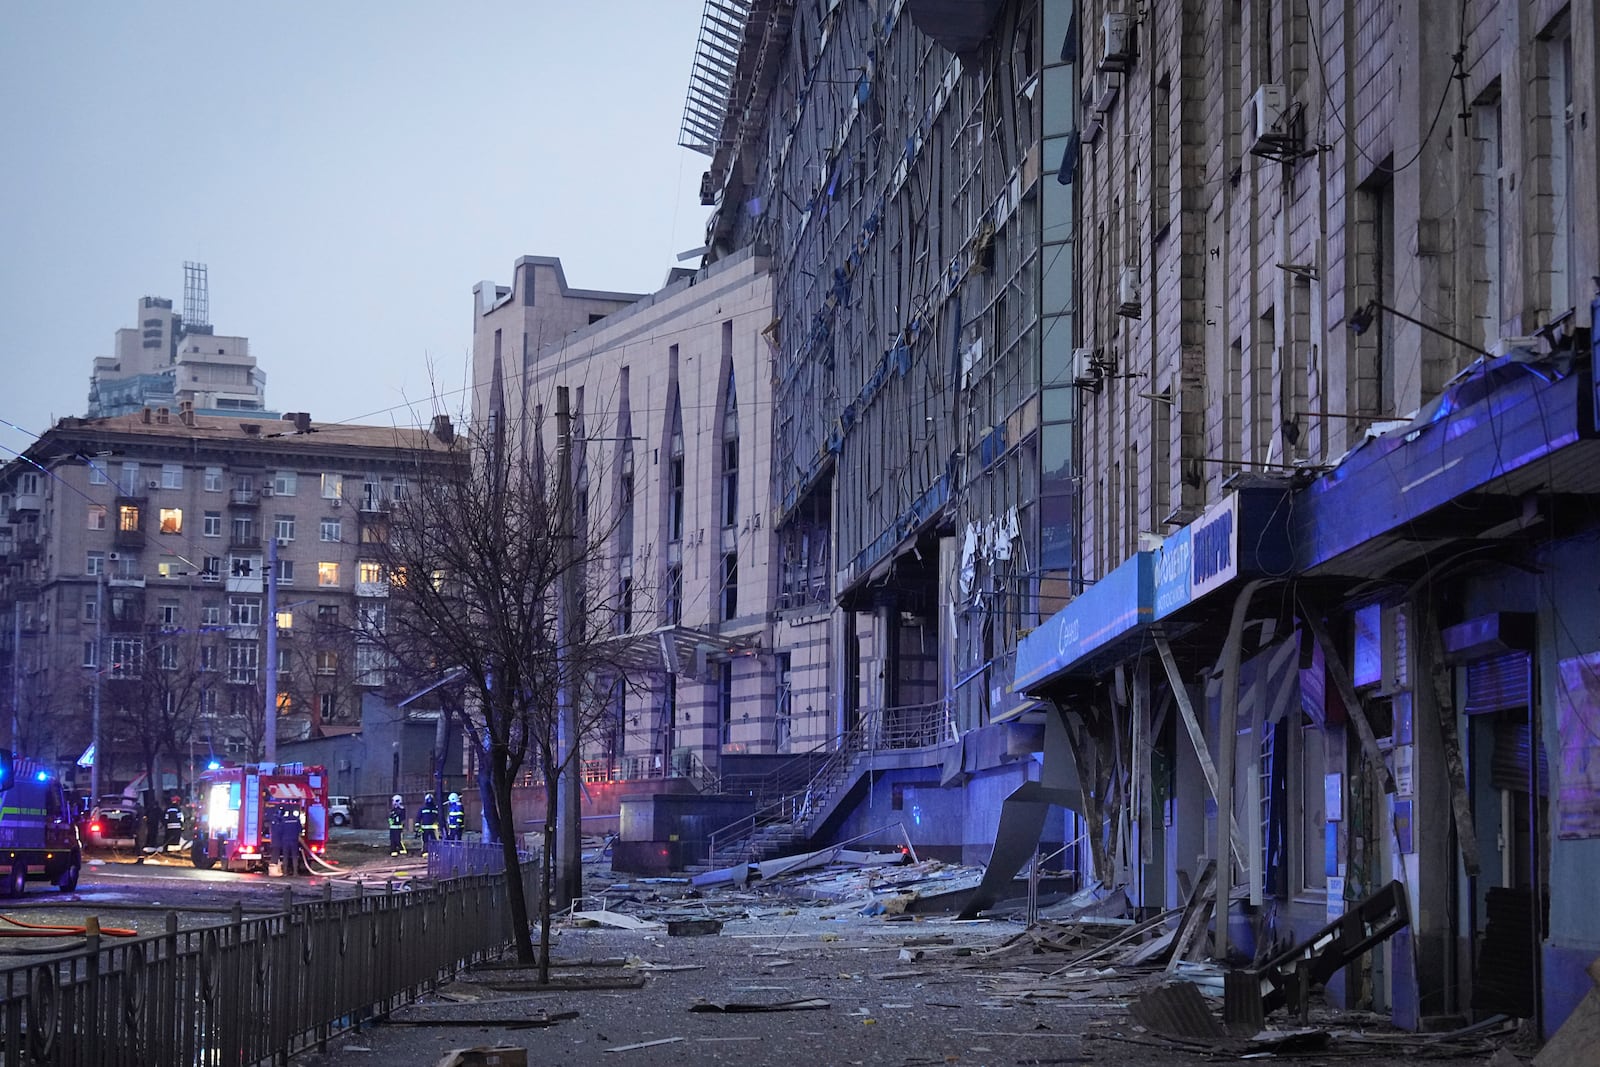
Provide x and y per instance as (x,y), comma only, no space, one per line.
(234,807)
(38,835)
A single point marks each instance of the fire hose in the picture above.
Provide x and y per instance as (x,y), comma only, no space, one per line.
(54,930)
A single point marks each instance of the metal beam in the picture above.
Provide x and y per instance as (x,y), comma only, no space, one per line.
(1197,735)
(1347,693)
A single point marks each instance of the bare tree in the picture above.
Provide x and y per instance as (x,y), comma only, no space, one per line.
(155,683)
(480,556)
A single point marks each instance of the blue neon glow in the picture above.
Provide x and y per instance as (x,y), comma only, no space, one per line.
(213,766)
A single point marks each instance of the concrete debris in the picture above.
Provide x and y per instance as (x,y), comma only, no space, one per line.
(693,927)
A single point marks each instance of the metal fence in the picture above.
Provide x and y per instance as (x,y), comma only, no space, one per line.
(250,991)
(456,859)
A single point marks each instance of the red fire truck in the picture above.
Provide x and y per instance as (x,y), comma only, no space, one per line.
(234,806)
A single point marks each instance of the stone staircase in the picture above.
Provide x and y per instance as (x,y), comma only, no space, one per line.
(789,822)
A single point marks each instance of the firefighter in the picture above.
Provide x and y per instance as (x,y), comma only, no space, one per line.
(284,831)
(428,823)
(174,824)
(397,826)
(455,820)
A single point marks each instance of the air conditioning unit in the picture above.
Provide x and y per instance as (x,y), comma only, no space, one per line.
(1266,120)
(283,542)
(1129,299)
(113,557)
(1117,36)
(1085,372)
(335,502)
(1104,92)
(152,484)
(266,490)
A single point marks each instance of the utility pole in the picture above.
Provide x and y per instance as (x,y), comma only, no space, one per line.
(270,741)
(569,809)
(16,672)
(99,671)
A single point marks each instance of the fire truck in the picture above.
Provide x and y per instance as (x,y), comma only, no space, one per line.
(234,806)
(38,837)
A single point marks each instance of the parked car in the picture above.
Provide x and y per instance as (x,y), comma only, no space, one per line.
(341,811)
(111,826)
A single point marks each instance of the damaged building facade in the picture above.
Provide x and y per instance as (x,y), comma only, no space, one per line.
(1337,442)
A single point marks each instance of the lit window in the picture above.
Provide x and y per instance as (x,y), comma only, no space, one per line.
(167,570)
(128,518)
(285,620)
(327,573)
(332,486)
(370,571)
(97,516)
(172,520)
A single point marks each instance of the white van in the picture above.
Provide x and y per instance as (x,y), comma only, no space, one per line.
(340,811)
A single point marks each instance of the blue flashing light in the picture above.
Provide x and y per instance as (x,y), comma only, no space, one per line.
(214,766)
(43,776)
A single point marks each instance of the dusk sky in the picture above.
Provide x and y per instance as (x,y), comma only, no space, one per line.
(347,171)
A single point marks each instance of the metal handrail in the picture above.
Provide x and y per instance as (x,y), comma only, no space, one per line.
(900,727)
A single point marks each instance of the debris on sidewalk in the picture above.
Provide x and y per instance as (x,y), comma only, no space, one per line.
(740,1007)
(693,927)
(618,919)
(486,1056)
(645,1044)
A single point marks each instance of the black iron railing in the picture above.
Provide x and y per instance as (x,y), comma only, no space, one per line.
(250,991)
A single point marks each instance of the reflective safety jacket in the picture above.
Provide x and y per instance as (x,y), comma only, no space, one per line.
(455,818)
(397,818)
(428,817)
(174,818)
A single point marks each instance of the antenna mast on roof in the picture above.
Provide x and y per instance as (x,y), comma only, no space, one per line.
(196,298)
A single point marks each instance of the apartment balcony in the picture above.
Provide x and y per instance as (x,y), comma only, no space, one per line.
(244,544)
(372,589)
(128,538)
(250,583)
(125,581)
(27,548)
(25,503)
(244,498)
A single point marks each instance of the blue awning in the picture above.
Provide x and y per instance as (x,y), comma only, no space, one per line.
(1120,604)
(1457,470)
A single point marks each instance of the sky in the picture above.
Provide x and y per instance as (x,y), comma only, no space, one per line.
(347,171)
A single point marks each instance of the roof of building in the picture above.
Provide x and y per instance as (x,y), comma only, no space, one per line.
(247,428)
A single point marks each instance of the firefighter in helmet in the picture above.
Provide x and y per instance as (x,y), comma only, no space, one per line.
(455,820)
(397,826)
(174,823)
(428,823)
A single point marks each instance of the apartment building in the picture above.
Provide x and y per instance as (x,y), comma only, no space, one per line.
(135,554)
(670,395)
